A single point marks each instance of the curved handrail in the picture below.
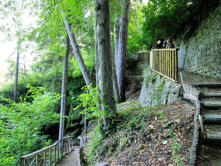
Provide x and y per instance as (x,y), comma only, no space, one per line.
(64,147)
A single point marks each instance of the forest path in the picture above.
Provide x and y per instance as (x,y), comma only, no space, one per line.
(72,159)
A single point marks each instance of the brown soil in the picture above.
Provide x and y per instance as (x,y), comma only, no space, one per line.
(153,146)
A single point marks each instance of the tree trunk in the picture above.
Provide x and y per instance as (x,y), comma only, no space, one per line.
(116,36)
(17,60)
(77,53)
(104,83)
(122,46)
(137,22)
(114,76)
(16,78)
(63,91)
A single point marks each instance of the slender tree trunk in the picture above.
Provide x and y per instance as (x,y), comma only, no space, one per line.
(116,36)
(16,78)
(77,53)
(120,60)
(137,22)
(63,91)
(17,61)
(106,100)
(114,76)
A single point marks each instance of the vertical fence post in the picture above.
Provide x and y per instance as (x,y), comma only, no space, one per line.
(55,154)
(66,146)
(59,145)
(69,144)
(176,66)
(25,162)
(151,59)
(45,157)
(62,146)
(37,160)
(50,157)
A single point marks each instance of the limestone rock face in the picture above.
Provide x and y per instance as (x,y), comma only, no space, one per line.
(157,90)
(201,53)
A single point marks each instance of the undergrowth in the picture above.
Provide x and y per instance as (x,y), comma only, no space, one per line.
(135,126)
(131,121)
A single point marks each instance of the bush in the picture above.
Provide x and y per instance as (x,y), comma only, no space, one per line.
(21,123)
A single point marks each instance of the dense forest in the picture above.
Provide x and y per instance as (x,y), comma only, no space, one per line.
(81,51)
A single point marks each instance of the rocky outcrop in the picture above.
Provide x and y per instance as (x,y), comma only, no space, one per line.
(157,90)
(201,53)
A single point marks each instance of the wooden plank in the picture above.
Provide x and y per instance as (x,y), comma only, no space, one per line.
(151,59)
(176,65)
(45,157)
(173,65)
(25,162)
(37,160)
(59,150)
(55,154)
(50,157)
(164,63)
(69,145)
(159,60)
(168,64)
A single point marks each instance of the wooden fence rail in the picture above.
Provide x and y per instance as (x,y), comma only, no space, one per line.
(49,155)
(165,62)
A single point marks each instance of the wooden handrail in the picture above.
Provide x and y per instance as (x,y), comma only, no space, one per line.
(62,149)
(165,62)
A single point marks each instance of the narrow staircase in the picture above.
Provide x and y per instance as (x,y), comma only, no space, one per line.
(211,111)
(210,101)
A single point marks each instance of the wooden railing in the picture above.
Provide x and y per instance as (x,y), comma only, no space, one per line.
(49,155)
(165,62)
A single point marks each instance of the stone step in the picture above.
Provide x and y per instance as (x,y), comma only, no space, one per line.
(214,111)
(212,102)
(211,92)
(213,132)
(212,118)
(209,85)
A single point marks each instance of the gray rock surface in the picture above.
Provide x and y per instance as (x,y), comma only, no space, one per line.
(101,164)
(201,53)
(157,90)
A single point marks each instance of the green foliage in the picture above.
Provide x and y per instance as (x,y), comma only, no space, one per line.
(94,143)
(21,124)
(134,41)
(130,121)
(88,101)
(175,147)
(165,19)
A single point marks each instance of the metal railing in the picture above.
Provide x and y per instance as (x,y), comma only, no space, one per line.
(50,155)
(165,62)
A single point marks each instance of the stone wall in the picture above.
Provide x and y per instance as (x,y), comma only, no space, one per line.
(201,53)
(157,90)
